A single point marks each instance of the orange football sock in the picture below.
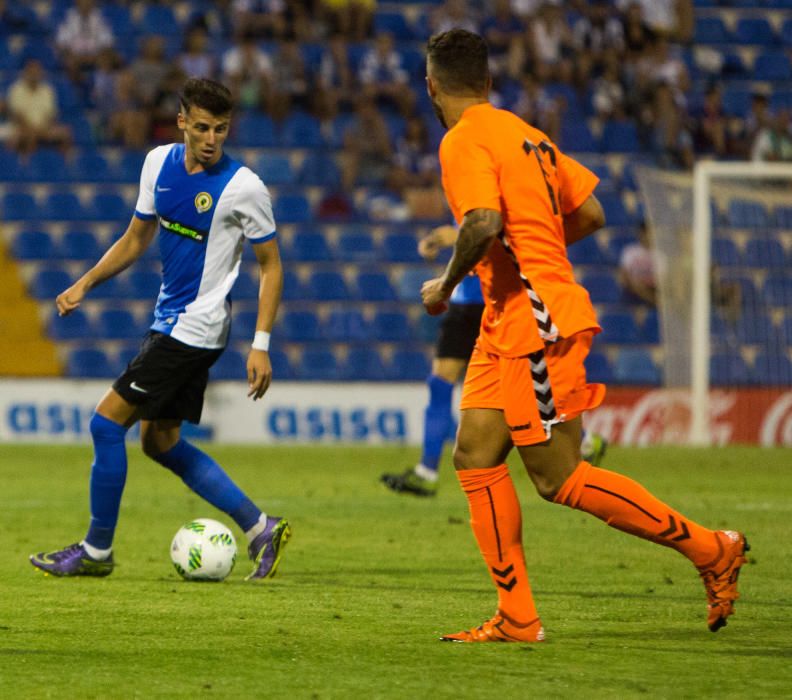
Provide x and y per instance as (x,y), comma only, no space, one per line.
(626,505)
(496,520)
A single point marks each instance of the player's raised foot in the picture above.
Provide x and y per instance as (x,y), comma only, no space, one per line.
(267,547)
(500,629)
(720,578)
(593,448)
(72,561)
(410,482)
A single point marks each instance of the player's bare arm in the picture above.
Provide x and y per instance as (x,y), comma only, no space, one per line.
(582,222)
(438,238)
(479,228)
(259,368)
(118,258)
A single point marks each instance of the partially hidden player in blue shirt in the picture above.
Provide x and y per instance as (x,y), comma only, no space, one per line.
(203,206)
(459,330)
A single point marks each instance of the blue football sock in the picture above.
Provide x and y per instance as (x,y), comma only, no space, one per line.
(207,478)
(108,476)
(438,421)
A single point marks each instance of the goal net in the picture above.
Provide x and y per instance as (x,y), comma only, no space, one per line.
(722,242)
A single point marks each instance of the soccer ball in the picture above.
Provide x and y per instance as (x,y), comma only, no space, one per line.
(203,550)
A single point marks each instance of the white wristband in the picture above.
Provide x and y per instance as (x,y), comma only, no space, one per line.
(261,341)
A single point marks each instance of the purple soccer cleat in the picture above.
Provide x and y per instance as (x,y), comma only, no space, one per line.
(72,561)
(266,548)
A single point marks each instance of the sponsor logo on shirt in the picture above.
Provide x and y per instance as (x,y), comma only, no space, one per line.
(203,202)
(182,230)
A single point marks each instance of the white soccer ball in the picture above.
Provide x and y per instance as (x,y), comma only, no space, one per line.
(203,550)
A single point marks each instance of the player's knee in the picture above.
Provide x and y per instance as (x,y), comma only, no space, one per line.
(547,488)
(464,458)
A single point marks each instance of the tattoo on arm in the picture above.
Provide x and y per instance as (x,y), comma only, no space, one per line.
(479,228)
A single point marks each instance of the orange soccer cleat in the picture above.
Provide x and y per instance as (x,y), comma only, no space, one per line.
(720,577)
(500,629)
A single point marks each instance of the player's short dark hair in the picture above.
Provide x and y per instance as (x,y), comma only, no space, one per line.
(207,94)
(460,61)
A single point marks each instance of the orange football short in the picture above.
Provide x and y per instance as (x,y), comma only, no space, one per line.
(535,391)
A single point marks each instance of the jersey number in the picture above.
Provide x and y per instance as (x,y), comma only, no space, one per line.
(544,147)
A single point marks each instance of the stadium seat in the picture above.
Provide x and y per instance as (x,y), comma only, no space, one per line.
(254,130)
(725,252)
(620,137)
(756,328)
(764,253)
(231,365)
(76,326)
(310,246)
(394,23)
(586,252)
(144,284)
(63,206)
(281,365)
(401,248)
(618,242)
(114,288)
(318,364)
(619,328)
(118,324)
(10,168)
(158,19)
(363,364)
(728,369)
(46,165)
(786,32)
(33,245)
(408,286)
(772,369)
(129,166)
(48,282)
(375,286)
(301,130)
(275,170)
(109,206)
(747,214)
(754,30)
(356,246)
(615,212)
(408,365)
(299,327)
(736,101)
(598,369)
(391,326)
(576,137)
(777,290)
(292,208)
(783,217)
(79,245)
(20,206)
(119,19)
(635,366)
(650,328)
(319,168)
(772,65)
(293,288)
(246,287)
(347,326)
(602,288)
(328,286)
(89,363)
(428,327)
(243,325)
(711,30)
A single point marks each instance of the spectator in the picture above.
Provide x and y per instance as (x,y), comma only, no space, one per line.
(197,59)
(383,76)
(501,29)
(536,107)
(453,14)
(660,65)
(80,38)
(289,79)
(711,125)
(33,112)
(551,43)
(638,269)
(387,203)
(150,69)
(334,82)
(121,117)
(414,157)
(758,118)
(367,147)
(12,21)
(608,95)
(166,107)
(671,140)
(673,19)
(248,73)
(351,18)
(594,33)
(774,142)
(264,19)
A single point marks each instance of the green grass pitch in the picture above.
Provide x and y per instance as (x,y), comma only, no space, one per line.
(371,579)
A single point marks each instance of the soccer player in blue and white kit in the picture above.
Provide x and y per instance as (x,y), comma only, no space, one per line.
(205,206)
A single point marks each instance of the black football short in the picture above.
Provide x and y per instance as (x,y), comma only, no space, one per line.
(459,330)
(167,378)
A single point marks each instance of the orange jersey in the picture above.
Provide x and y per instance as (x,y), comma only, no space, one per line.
(492,159)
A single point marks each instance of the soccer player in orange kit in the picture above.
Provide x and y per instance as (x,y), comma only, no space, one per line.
(519,202)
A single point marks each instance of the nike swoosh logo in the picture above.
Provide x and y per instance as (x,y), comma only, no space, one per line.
(133,385)
(163,189)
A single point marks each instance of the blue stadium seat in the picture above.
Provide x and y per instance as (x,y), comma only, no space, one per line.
(114,288)
(711,30)
(777,290)
(246,287)
(158,19)
(428,327)
(635,366)
(772,65)
(109,206)
(46,165)
(301,130)
(356,246)
(620,137)
(89,363)
(363,364)
(728,369)
(10,168)
(281,365)
(275,169)
(754,30)
(293,288)
(725,252)
(292,208)
(783,217)
(618,242)
(748,214)
(299,326)
(119,19)
(650,328)
(33,245)
(619,327)
(786,32)
(254,129)
(347,326)
(736,101)
(408,365)
(76,326)
(20,206)
(231,365)
(318,364)
(328,286)
(749,295)
(119,324)
(144,284)
(375,286)
(391,326)
(756,328)
(320,168)
(764,252)
(576,137)
(243,325)
(408,286)
(63,206)
(598,369)
(602,288)
(586,252)
(48,282)
(394,23)
(401,248)
(615,212)
(310,246)
(43,51)
(773,369)
(79,245)
(129,166)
